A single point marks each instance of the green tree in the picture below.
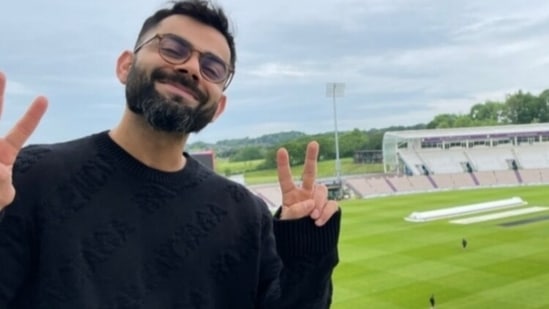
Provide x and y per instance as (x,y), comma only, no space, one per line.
(442,121)
(463,121)
(269,160)
(489,113)
(247,154)
(326,143)
(525,108)
(543,107)
(375,139)
(296,150)
(351,142)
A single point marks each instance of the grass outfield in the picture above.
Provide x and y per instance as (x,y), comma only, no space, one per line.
(386,262)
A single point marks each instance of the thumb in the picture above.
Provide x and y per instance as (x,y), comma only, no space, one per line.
(297,210)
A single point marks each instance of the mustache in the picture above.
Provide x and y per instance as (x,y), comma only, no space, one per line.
(180,79)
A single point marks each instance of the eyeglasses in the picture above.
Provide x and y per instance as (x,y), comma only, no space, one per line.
(176,50)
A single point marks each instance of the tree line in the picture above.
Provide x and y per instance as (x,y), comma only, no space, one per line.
(518,108)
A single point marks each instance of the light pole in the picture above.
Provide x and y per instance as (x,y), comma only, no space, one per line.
(334,90)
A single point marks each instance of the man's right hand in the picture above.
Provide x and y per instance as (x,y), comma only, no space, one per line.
(12,142)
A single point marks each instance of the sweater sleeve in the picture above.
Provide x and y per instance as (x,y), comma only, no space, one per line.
(298,259)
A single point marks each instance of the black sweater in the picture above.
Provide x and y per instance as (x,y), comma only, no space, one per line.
(91,227)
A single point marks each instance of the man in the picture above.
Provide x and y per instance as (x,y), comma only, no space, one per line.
(121,219)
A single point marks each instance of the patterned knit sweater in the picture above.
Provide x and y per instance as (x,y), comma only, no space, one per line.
(93,228)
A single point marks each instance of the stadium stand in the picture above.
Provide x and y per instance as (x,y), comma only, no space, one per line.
(270,194)
(450,159)
(458,158)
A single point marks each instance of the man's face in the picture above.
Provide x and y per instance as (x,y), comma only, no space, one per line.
(176,98)
(170,112)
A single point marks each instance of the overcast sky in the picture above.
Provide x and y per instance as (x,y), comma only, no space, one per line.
(402,62)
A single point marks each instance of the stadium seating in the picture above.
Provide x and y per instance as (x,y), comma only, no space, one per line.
(423,160)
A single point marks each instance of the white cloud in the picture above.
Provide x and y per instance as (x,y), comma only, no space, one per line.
(403,61)
(276,70)
(14,88)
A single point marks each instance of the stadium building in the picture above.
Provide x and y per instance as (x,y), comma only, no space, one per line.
(450,159)
(459,158)
(206,158)
(456,150)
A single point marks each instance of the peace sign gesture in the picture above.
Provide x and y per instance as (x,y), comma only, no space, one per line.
(12,142)
(309,199)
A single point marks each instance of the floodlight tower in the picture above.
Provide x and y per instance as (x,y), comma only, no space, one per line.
(334,90)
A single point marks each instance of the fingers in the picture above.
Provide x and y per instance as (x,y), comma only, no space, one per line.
(319,208)
(324,209)
(309,168)
(298,210)
(328,211)
(2,89)
(23,129)
(303,209)
(284,172)
(285,178)
(320,196)
(14,140)
(7,191)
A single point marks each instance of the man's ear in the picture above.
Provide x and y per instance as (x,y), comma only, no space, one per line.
(220,107)
(123,66)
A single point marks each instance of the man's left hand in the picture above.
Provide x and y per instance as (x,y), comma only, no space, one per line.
(309,199)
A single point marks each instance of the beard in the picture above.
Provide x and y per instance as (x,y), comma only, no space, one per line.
(173,114)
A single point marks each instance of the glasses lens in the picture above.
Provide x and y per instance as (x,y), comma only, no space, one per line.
(213,68)
(174,50)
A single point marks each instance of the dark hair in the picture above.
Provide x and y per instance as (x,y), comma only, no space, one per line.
(203,11)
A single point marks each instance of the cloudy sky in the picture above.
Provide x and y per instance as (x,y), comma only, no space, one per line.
(402,61)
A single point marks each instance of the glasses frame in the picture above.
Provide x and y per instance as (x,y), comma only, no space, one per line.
(226,81)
